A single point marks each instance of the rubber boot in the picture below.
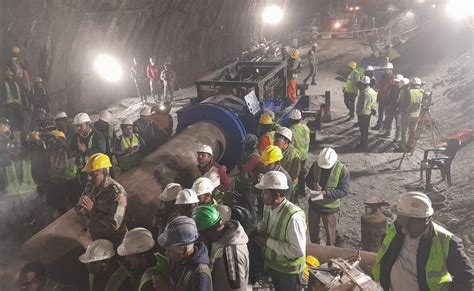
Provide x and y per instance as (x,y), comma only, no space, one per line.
(28,184)
(11,179)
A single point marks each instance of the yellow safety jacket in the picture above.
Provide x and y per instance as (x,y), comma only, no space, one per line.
(333,181)
(129,161)
(301,137)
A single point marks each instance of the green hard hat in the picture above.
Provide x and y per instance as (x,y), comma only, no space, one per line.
(206,216)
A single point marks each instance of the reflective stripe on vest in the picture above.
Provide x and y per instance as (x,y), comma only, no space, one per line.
(116,280)
(65,169)
(278,232)
(301,136)
(372,95)
(126,144)
(416,96)
(333,181)
(436,271)
(161,269)
(185,280)
(351,86)
(83,157)
(129,161)
(289,156)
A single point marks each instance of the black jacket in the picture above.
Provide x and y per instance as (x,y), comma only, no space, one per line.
(459,265)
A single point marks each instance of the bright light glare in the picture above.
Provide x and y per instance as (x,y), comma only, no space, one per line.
(162,107)
(460,9)
(272,14)
(357,7)
(108,68)
(337,25)
(434,5)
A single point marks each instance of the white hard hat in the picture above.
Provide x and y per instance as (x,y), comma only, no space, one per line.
(205,149)
(225,211)
(416,81)
(127,121)
(146,111)
(59,115)
(398,78)
(98,250)
(315,44)
(136,241)
(186,196)
(365,80)
(286,132)
(403,82)
(81,118)
(388,66)
(105,116)
(170,192)
(413,204)
(202,186)
(214,177)
(273,180)
(327,158)
(295,114)
(369,68)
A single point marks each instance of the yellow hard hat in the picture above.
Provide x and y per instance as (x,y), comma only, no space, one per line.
(295,53)
(15,49)
(96,162)
(57,133)
(310,262)
(352,65)
(266,119)
(272,154)
(33,136)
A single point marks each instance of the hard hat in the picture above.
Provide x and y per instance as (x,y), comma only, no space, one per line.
(269,112)
(403,82)
(57,133)
(250,139)
(186,196)
(8,73)
(273,180)
(136,241)
(315,44)
(206,216)
(60,115)
(98,250)
(295,114)
(266,119)
(369,68)
(38,79)
(180,231)
(295,53)
(286,133)
(413,204)
(170,192)
(205,149)
(271,154)
(105,116)
(152,59)
(126,121)
(81,118)
(398,78)
(388,66)
(214,177)
(33,136)
(327,158)
(225,211)
(202,186)
(242,215)
(365,80)
(352,65)
(96,162)
(416,81)
(15,49)
(146,111)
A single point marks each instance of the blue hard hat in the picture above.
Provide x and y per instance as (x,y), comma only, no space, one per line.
(250,139)
(180,231)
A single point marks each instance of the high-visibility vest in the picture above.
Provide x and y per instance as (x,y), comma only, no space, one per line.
(436,271)
(83,157)
(372,99)
(351,85)
(289,156)
(333,181)
(161,269)
(63,169)
(416,96)
(129,161)
(393,54)
(301,137)
(277,231)
(245,180)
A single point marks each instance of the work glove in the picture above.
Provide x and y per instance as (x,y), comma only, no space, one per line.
(373,111)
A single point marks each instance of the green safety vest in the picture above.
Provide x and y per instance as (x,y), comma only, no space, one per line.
(12,94)
(127,162)
(161,269)
(83,158)
(245,180)
(289,156)
(115,281)
(436,271)
(277,231)
(351,85)
(333,181)
(416,96)
(301,137)
(393,54)
(69,170)
(372,99)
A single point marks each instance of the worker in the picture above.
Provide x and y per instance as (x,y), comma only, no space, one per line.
(104,126)
(86,143)
(62,124)
(129,147)
(313,61)
(149,130)
(168,78)
(418,253)
(329,179)
(271,160)
(284,54)
(167,209)
(206,163)
(12,102)
(19,67)
(103,201)
(411,96)
(203,188)
(392,55)
(291,161)
(282,234)
(139,77)
(294,67)
(189,259)
(186,201)
(33,277)
(266,131)
(369,72)
(229,257)
(391,108)
(105,272)
(138,249)
(39,96)
(383,90)
(153,74)
(218,193)
(301,139)
(350,89)
(365,109)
